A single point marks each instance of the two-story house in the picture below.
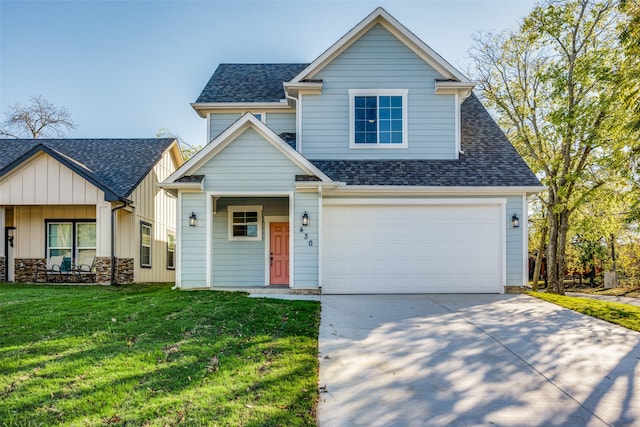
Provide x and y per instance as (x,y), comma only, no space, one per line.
(372,169)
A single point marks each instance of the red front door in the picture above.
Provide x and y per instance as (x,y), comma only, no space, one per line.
(279,246)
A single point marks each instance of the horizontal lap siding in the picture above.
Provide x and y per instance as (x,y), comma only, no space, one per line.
(515,241)
(378,61)
(241,263)
(250,164)
(306,257)
(282,122)
(192,242)
(218,122)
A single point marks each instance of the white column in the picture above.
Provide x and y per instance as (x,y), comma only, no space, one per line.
(2,223)
(103,229)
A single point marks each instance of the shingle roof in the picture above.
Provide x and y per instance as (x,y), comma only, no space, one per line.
(116,166)
(248,82)
(489,159)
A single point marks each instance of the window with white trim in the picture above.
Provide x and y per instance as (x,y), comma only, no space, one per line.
(245,222)
(145,245)
(378,118)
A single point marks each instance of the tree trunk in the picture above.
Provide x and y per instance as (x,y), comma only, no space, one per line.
(556,256)
(539,256)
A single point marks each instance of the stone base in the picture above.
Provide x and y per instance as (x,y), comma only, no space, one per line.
(3,266)
(123,273)
(513,290)
(25,269)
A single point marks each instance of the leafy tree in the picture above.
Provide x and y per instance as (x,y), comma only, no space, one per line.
(554,84)
(40,118)
(186,149)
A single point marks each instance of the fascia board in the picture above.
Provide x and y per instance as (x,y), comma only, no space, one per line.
(353,190)
(381,16)
(202,108)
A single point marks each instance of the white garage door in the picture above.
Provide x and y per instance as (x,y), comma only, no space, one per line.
(437,247)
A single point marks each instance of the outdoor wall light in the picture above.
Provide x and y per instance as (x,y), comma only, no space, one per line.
(193,220)
(515,221)
(305,219)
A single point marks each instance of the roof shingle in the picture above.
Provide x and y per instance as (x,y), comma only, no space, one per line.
(248,82)
(116,165)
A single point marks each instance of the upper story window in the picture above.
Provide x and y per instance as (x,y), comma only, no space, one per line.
(378,118)
(245,222)
(145,244)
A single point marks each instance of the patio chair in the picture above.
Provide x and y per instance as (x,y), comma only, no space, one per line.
(84,270)
(54,267)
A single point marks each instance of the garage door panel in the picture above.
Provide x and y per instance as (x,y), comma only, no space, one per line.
(412,249)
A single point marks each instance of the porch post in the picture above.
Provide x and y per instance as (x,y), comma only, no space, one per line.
(3,255)
(103,242)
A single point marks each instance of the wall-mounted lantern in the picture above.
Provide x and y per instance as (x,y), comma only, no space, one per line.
(305,219)
(193,220)
(515,221)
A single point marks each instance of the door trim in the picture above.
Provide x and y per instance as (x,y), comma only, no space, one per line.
(267,243)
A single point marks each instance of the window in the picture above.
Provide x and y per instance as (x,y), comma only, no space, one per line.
(145,245)
(171,251)
(245,222)
(73,239)
(378,118)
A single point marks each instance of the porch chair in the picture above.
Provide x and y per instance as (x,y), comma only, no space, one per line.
(53,267)
(84,269)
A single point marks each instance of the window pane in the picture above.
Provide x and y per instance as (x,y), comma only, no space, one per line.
(385,126)
(396,113)
(146,256)
(60,252)
(396,125)
(396,101)
(85,256)
(171,242)
(252,216)
(396,137)
(385,137)
(86,235)
(371,102)
(252,230)
(385,101)
(60,235)
(239,230)
(359,101)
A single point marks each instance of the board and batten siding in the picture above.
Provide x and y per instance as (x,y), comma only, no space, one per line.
(249,164)
(153,206)
(278,122)
(43,180)
(378,60)
(30,226)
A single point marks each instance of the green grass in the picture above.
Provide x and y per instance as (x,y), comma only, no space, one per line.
(621,314)
(149,356)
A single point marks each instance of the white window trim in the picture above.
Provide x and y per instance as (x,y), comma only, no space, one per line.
(244,208)
(378,92)
(172,266)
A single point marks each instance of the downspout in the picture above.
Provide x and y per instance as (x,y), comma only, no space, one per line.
(126,203)
(298,135)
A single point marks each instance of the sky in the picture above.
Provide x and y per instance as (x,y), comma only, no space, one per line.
(127,68)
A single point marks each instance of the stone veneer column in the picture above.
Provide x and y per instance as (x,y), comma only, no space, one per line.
(123,273)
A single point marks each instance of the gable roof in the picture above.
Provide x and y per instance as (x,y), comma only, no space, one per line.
(115,166)
(488,160)
(248,82)
(382,17)
(246,121)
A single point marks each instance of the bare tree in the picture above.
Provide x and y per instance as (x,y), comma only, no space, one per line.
(40,118)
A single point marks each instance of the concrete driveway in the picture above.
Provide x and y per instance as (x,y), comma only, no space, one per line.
(473,360)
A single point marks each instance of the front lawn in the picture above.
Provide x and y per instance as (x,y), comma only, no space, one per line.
(146,355)
(621,314)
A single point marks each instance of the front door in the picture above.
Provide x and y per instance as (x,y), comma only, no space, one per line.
(279,256)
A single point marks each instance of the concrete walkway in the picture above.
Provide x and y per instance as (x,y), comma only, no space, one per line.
(610,298)
(473,360)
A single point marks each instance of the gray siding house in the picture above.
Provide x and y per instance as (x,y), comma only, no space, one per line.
(372,169)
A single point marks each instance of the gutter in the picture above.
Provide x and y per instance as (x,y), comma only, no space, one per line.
(125,203)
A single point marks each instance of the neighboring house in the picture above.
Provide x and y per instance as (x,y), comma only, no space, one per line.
(88,199)
(373,169)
